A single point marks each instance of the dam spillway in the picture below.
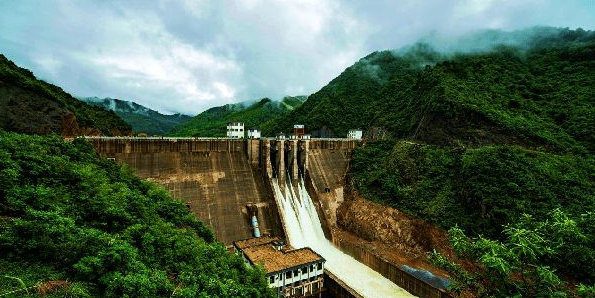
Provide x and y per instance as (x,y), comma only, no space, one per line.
(224,180)
(304,229)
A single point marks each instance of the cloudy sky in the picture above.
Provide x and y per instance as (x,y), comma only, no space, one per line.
(189,55)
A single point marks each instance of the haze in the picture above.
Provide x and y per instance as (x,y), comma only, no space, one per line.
(187,56)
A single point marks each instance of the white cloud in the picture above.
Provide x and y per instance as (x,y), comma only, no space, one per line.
(189,55)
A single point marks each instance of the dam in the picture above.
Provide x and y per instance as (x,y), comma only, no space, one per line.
(232,184)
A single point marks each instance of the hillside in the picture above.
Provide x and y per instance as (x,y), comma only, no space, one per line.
(538,95)
(29,105)
(73,224)
(141,118)
(212,122)
(495,146)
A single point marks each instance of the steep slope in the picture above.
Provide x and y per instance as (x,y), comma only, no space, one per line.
(73,224)
(498,144)
(537,95)
(30,105)
(141,118)
(212,122)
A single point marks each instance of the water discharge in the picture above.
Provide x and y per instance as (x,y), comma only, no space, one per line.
(303,229)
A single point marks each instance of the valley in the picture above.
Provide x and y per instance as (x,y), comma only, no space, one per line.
(472,175)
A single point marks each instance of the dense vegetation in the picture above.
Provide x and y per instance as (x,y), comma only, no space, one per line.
(480,143)
(76,225)
(478,189)
(30,89)
(142,119)
(213,122)
(481,190)
(540,95)
(531,259)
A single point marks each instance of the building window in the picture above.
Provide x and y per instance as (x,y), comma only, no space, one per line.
(311,268)
(271,279)
(305,270)
(295,272)
(288,274)
(319,266)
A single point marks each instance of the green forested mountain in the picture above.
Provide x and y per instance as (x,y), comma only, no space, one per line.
(30,105)
(76,225)
(539,95)
(212,122)
(141,118)
(496,146)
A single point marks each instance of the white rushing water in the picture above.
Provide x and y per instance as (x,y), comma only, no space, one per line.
(304,230)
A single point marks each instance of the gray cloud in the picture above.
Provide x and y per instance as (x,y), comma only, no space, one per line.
(188,55)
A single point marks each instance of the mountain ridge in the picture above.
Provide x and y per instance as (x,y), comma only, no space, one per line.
(422,95)
(141,118)
(212,122)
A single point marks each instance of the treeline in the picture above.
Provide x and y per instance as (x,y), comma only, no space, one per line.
(213,122)
(76,225)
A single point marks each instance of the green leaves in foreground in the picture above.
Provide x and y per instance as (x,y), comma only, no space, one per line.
(70,218)
(521,266)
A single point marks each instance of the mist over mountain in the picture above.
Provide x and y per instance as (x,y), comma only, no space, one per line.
(534,94)
(141,118)
(485,136)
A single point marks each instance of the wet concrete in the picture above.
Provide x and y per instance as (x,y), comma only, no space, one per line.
(327,163)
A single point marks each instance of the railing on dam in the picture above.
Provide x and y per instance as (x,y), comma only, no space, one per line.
(113,145)
(209,138)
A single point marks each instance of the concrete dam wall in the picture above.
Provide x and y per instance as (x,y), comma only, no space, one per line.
(225,181)
(219,179)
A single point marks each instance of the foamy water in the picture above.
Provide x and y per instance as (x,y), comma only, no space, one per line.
(304,229)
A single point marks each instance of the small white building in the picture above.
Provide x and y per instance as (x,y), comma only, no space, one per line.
(355,134)
(290,272)
(253,133)
(235,130)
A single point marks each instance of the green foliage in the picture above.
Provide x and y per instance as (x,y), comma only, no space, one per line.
(477,189)
(586,291)
(538,95)
(527,262)
(212,122)
(86,115)
(142,119)
(66,214)
(494,136)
